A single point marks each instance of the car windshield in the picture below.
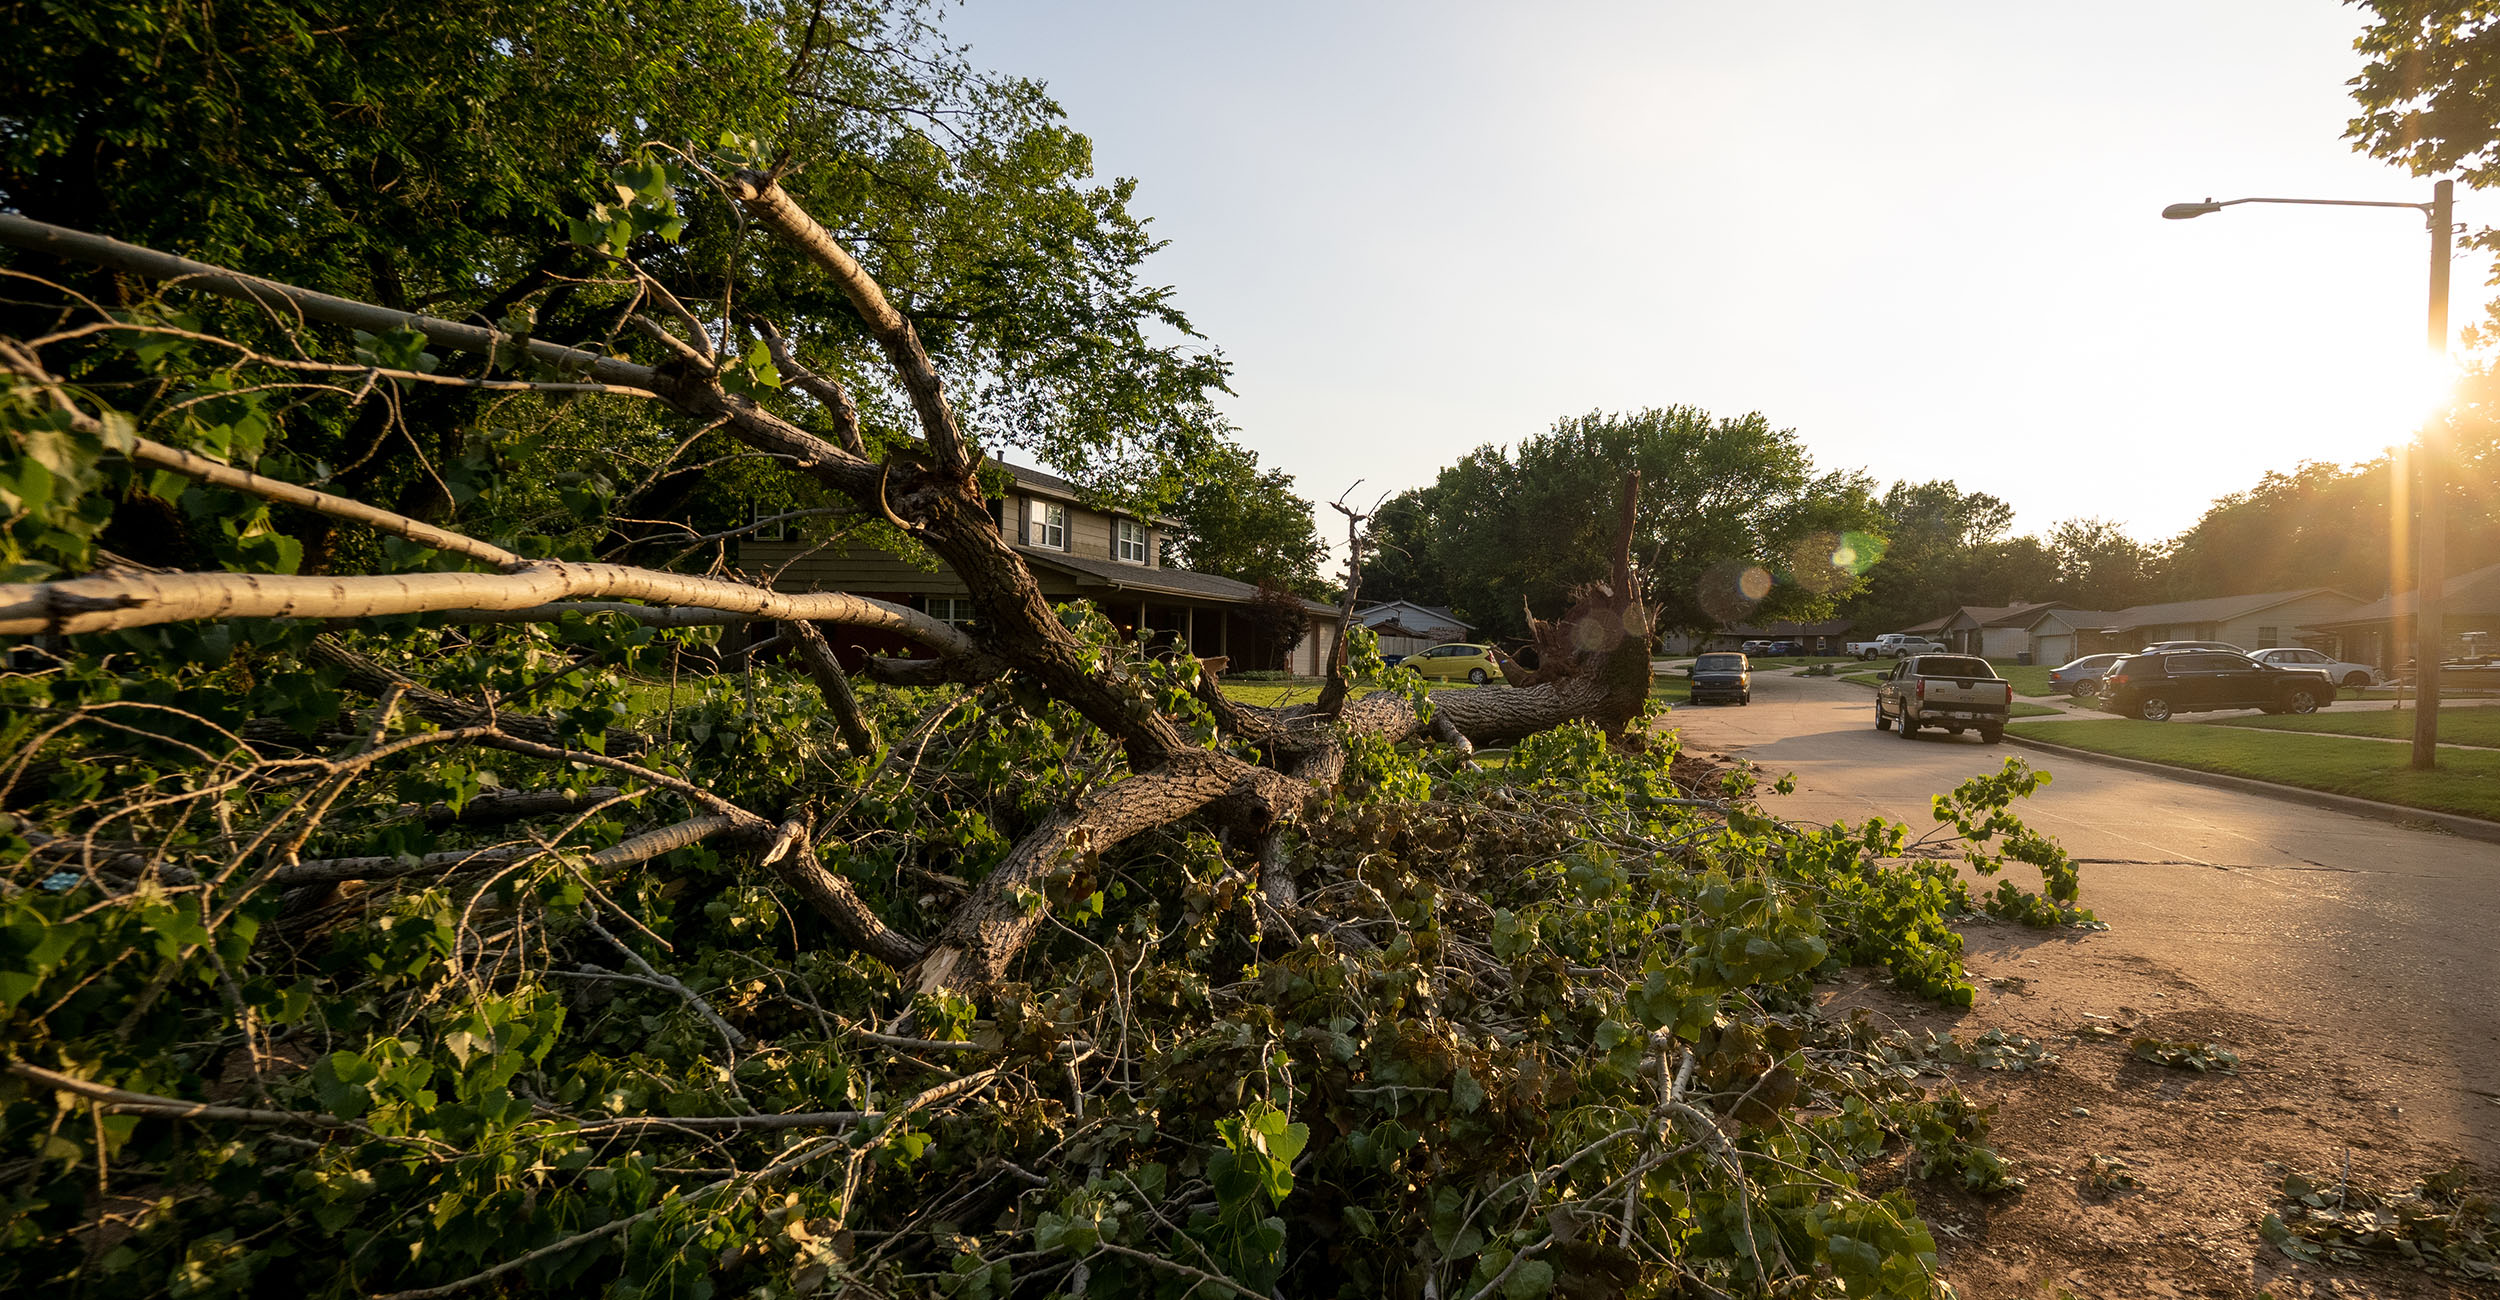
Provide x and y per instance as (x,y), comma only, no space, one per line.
(1954,666)
(1720,664)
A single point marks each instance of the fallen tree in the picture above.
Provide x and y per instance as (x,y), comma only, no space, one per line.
(1128,950)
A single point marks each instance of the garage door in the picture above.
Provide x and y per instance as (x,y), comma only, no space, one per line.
(2055,650)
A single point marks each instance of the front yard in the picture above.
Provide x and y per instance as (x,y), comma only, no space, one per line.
(2456,726)
(2467,781)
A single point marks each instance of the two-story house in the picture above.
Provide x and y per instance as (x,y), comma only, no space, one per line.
(1076,552)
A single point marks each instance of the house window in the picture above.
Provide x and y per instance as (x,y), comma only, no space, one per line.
(1050,526)
(1132,542)
(2268,638)
(758,512)
(954,611)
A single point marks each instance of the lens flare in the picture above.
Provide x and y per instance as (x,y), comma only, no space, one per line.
(1859,552)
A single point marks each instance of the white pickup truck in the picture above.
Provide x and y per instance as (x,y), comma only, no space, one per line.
(1955,692)
(1895,645)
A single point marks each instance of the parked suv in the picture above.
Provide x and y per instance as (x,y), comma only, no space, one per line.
(2155,686)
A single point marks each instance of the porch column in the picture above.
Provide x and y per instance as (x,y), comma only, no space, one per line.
(1189,626)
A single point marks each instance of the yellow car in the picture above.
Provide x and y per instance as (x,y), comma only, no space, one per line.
(1456,661)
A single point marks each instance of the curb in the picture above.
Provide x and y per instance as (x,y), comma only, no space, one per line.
(2472,828)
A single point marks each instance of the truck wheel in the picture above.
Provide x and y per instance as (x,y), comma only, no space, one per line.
(1900,654)
(2153,709)
(2300,699)
(1882,723)
(1991,735)
(1909,726)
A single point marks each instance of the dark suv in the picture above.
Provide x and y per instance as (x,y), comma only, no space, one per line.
(1722,676)
(2154,686)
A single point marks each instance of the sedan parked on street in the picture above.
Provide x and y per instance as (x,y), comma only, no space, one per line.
(2082,676)
(1456,661)
(2156,686)
(2341,672)
(1721,676)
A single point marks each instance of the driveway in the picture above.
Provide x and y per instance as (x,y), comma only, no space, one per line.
(2353,962)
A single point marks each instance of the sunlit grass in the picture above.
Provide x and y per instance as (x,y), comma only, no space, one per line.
(2456,726)
(2467,781)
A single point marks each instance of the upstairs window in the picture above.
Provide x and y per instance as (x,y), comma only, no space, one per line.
(1050,526)
(1132,542)
(766,522)
(955,611)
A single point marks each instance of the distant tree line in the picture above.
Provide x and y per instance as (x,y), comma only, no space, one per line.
(1738,526)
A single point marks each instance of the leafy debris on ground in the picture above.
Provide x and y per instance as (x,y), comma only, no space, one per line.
(2204,1058)
(2441,1223)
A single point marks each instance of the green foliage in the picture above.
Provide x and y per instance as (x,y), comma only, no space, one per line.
(1247,523)
(1731,508)
(1496,972)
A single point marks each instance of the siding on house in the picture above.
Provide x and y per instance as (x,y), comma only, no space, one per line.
(1146,599)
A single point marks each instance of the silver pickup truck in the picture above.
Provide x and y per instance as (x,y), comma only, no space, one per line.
(1955,692)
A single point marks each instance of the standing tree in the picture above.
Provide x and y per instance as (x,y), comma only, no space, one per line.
(1735,523)
(1247,523)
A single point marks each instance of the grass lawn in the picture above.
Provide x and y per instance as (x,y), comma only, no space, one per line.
(1864,679)
(2021,710)
(2466,782)
(1304,690)
(2461,726)
(2028,679)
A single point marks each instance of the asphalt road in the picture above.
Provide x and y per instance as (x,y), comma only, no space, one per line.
(2386,938)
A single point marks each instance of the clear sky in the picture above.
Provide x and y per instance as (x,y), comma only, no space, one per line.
(1924,235)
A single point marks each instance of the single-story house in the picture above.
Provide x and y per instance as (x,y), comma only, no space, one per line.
(1823,638)
(2260,621)
(2381,632)
(1992,631)
(1406,628)
(1077,552)
(2054,631)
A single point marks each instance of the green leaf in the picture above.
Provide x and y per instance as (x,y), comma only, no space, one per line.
(1529,1281)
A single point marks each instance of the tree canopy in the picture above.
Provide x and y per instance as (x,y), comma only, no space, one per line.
(1244,522)
(1735,523)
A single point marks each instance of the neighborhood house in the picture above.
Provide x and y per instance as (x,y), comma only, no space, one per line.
(1077,552)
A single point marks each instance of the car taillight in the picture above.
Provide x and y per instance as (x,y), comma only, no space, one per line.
(2009,693)
(1922,688)
(2115,679)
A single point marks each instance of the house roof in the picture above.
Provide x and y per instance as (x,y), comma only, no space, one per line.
(2212,609)
(1091,572)
(1387,610)
(1828,627)
(1931,625)
(2474,593)
(1039,483)
(2075,618)
(1997,615)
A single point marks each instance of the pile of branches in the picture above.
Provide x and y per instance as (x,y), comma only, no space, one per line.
(462,926)
(515,1028)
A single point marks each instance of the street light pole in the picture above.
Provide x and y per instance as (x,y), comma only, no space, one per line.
(2430,531)
(2430,579)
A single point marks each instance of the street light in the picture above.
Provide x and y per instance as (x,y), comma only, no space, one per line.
(2430,536)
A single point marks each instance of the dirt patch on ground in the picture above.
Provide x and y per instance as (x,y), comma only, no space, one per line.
(2208,1150)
